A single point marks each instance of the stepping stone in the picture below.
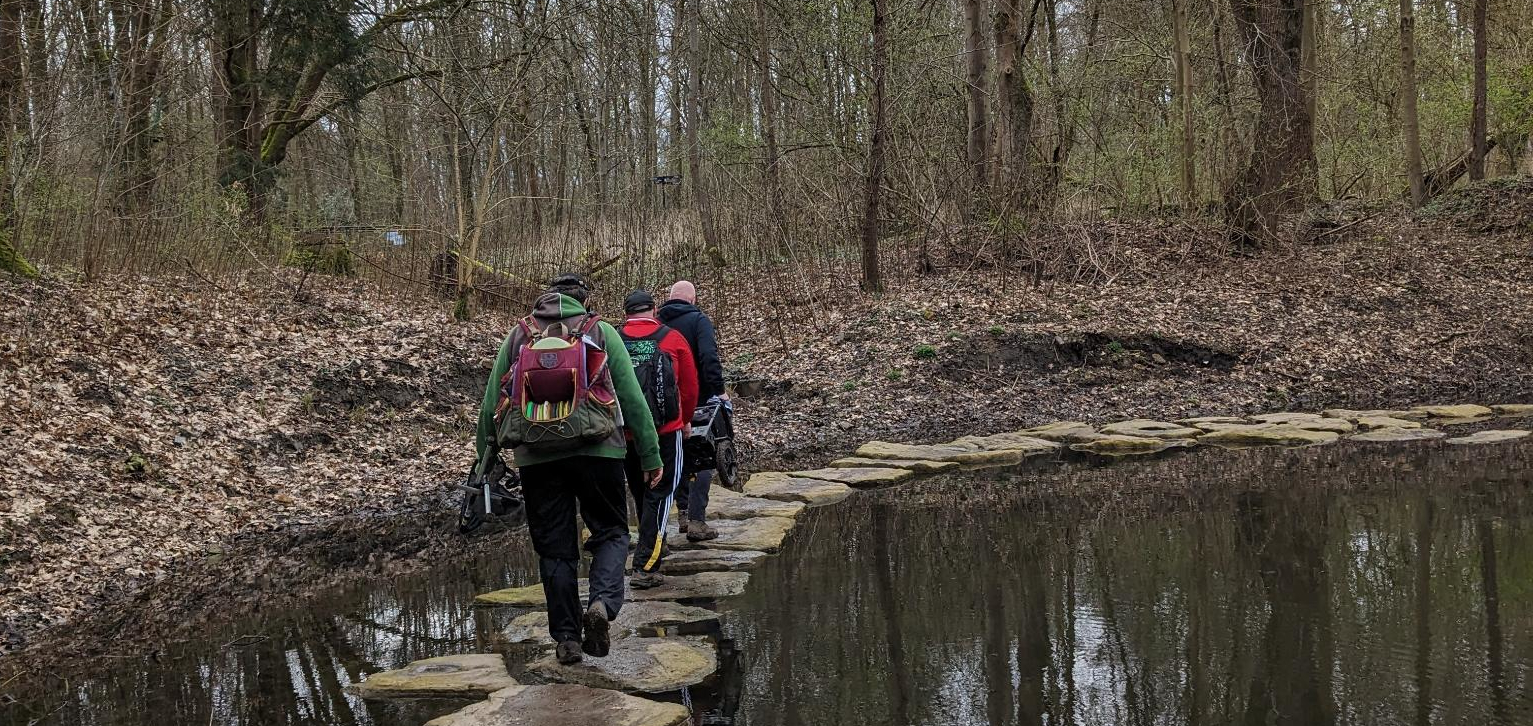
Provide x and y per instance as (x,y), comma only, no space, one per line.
(1352,415)
(919,466)
(1267,435)
(1145,428)
(634,620)
(1199,420)
(701,586)
(1385,422)
(1334,425)
(1009,441)
(728,504)
(788,488)
(1384,436)
(865,476)
(1494,436)
(1283,417)
(1466,411)
(691,562)
(637,665)
(1513,409)
(475,675)
(998,449)
(1129,445)
(565,705)
(761,534)
(1061,431)
(934,452)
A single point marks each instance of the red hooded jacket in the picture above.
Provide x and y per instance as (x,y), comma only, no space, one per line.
(674,345)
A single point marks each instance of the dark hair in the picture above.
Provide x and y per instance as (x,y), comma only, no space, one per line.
(572,285)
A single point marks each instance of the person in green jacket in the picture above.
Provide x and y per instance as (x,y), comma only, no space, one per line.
(590,477)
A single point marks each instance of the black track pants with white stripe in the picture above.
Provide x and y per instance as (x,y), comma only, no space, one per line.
(654,505)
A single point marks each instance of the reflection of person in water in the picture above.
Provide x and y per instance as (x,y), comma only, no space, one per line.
(717,701)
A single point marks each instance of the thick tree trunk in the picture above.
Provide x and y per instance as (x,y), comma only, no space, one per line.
(1183,66)
(872,277)
(1280,174)
(1477,142)
(10,104)
(1014,117)
(976,149)
(1408,119)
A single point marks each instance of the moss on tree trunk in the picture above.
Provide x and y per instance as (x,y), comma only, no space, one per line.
(11,262)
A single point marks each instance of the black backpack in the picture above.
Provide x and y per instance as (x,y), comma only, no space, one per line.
(656,374)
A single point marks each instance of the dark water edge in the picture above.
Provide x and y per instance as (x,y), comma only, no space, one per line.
(1341,585)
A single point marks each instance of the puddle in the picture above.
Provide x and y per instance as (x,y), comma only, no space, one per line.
(1342,585)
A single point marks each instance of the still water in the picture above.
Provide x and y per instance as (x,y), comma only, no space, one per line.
(1334,585)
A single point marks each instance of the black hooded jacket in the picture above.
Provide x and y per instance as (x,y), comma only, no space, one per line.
(685,318)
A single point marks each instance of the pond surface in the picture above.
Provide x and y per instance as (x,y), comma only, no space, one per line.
(1333,585)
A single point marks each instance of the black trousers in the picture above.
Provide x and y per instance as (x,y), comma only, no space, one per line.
(654,504)
(553,492)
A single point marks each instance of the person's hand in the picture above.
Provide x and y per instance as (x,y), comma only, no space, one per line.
(686,431)
(652,477)
(724,396)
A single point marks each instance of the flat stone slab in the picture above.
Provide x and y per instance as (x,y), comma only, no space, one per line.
(919,466)
(788,488)
(858,477)
(1061,431)
(634,620)
(1385,436)
(761,534)
(565,705)
(637,665)
(1354,415)
(1146,428)
(1196,420)
(1495,436)
(1385,422)
(1463,410)
(1283,417)
(474,675)
(1334,425)
(1267,435)
(1117,445)
(997,449)
(701,586)
(1513,409)
(1008,441)
(728,504)
(691,562)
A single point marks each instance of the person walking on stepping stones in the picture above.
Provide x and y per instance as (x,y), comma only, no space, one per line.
(560,394)
(681,313)
(663,364)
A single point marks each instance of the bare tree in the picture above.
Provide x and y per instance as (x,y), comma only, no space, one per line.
(872,277)
(1477,142)
(977,146)
(1280,173)
(10,104)
(1183,66)
(1410,126)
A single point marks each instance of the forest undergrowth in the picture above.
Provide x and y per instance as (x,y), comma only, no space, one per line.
(158,437)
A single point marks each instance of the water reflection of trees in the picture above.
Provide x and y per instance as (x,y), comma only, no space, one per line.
(292,668)
(1311,587)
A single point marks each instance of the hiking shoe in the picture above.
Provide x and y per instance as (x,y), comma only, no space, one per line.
(642,580)
(568,653)
(700,531)
(681,521)
(598,641)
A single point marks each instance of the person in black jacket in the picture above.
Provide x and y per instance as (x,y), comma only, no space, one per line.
(680,313)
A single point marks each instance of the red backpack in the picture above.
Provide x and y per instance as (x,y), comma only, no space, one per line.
(558,393)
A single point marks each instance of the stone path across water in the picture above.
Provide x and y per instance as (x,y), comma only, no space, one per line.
(756,522)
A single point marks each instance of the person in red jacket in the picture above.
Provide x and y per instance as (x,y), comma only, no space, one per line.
(667,374)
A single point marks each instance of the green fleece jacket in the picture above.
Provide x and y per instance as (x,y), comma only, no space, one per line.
(552,308)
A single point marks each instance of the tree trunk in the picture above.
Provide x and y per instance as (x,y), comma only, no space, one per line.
(1477,143)
(700,196)
(976,149)
(1280,173)
(1184,101)
(10,104)
(872,278)
(778,226)
(1014,116)
(1408,121)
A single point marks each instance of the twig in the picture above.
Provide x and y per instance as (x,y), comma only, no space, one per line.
(1334,230)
